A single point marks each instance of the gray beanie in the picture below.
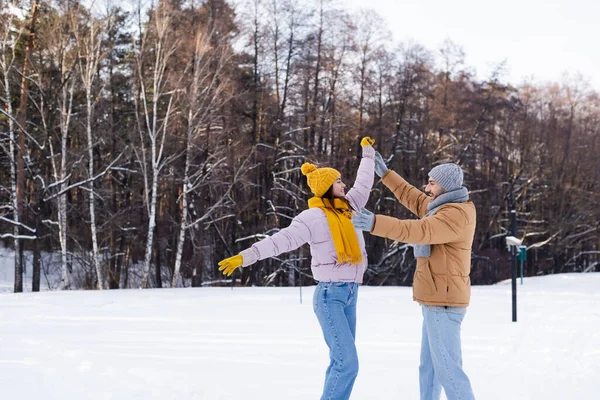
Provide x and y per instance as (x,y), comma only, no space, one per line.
(448,176)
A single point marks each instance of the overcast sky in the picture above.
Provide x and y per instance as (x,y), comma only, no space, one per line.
(537,38)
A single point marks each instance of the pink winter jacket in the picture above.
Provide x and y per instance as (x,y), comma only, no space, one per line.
(310,226)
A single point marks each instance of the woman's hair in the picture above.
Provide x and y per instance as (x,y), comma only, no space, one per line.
(329,196)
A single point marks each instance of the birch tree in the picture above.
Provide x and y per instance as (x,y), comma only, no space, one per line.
(60,48)
(89,49)
(21,148)
(154,117)
(10,36)
(369,41)
(285,33)
(204,96)
(205,102)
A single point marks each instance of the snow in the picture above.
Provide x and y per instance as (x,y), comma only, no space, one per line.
(50,274)
(15,11)
(261,343)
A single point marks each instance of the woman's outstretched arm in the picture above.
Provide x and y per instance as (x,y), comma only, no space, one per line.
(358,195)
(286,240)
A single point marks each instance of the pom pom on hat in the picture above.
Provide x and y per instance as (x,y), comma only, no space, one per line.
(319,179)
(307,168)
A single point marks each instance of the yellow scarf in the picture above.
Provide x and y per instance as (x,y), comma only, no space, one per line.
(344,236)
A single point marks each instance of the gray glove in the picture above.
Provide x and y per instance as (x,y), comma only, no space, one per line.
(364,220)
(380,167)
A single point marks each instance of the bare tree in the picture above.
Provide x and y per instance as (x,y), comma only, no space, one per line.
(369,41)
(285,29)
(21,148)
(154,117)
(309,141)
(8,42)
(89,49)
(452,57)
(204,96)
(60,48)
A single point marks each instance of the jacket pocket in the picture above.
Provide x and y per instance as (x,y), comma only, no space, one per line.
(322,236)
(322,249)
(424,284)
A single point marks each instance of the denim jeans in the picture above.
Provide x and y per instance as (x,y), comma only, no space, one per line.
(441,355)
(334,304)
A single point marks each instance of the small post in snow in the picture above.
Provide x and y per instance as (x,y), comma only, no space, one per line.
(300,283)
(513,248)
(512,243)
(522,259)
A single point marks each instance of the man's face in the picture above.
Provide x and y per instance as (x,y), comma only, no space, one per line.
(433,189)
(338,188)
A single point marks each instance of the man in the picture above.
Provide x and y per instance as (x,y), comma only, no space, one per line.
(442,240)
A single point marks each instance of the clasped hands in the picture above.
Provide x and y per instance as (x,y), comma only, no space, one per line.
(363,220)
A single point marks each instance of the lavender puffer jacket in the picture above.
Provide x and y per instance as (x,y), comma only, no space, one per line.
(310,226)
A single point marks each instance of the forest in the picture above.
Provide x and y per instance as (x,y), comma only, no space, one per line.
(143,145)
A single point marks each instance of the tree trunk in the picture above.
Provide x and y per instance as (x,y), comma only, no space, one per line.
(22,118)
(157,259)
(37,258)
(18,284)
(313,108)
(151,222)
(184,199)
(95,255)
(65,119)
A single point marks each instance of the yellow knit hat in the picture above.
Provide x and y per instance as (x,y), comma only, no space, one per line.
(319,179)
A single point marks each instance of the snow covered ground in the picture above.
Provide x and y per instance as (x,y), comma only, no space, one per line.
(261,343)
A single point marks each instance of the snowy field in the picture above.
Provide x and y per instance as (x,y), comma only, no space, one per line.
(261,343)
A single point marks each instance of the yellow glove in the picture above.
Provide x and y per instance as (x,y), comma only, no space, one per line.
(230,264)
(367,141)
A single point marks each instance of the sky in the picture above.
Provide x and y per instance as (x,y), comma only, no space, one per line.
(539,39)
(261,343)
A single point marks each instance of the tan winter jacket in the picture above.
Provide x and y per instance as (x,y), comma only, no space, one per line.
(442,279)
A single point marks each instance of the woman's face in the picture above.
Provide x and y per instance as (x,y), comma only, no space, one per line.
(338,188)
(434,189)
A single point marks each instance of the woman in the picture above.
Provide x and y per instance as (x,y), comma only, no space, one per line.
(338,261)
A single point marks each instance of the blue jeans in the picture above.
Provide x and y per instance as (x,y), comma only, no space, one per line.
(334,304)
(441,355)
